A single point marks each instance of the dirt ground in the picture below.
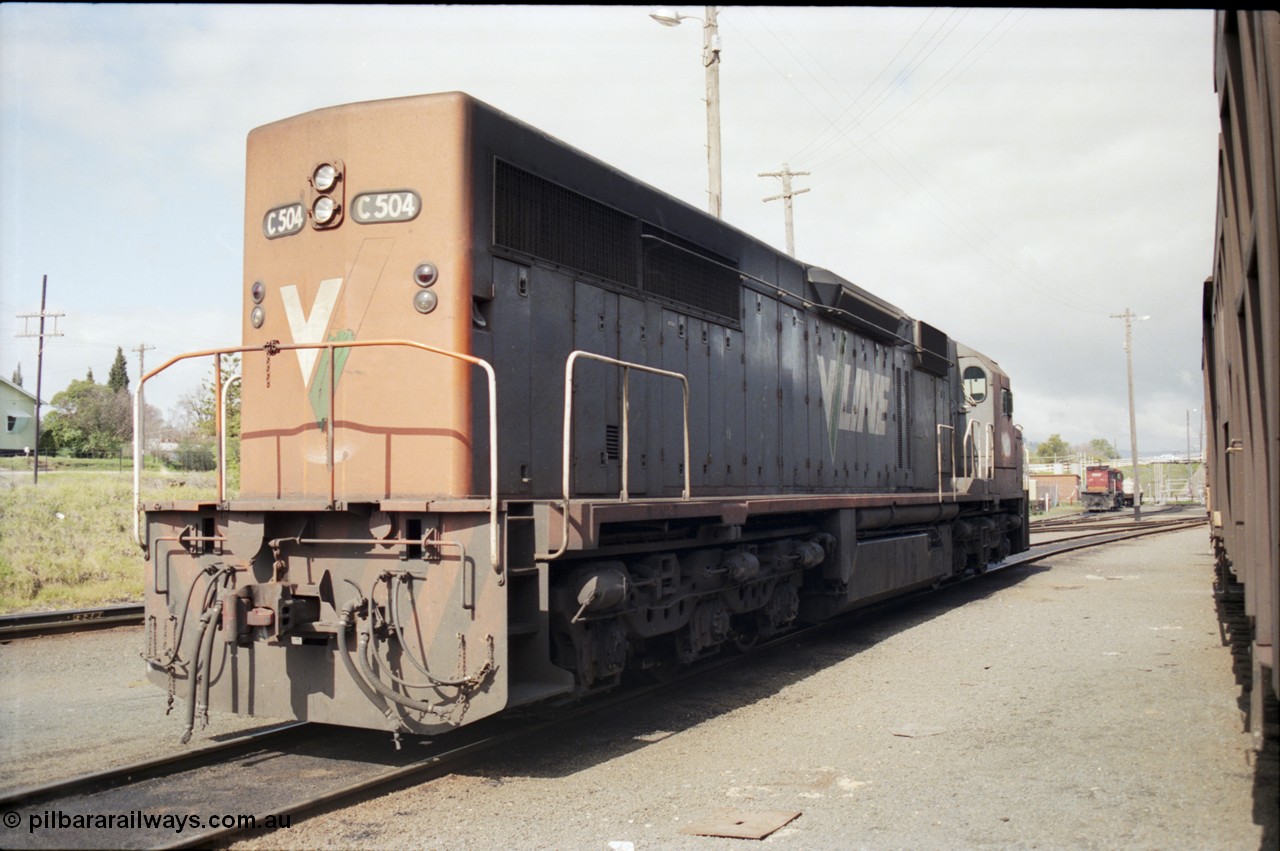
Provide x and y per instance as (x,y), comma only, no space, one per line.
(1085,702)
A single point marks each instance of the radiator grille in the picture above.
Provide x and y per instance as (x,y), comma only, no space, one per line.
(542,219)
(678,270)
(902,382)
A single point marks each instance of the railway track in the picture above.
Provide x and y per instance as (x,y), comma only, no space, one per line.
(1044,537)
(1084,518)
(33,624)
(269,767)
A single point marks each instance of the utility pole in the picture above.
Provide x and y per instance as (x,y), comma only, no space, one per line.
(669,17)
(787,194)
(142,349)
(711,60)
(39,335)
(1188,466)
(140,437)
(1129,317)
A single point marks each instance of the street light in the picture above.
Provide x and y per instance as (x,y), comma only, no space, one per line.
(669,17)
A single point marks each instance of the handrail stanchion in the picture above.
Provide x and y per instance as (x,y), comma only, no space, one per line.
(626,435)
(222,458)
(938,434)
(331,427)
(566,444)
(492,382)
(222,429)
(138,437)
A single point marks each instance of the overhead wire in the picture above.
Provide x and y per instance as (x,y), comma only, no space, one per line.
(989,245)
(776,26)
(933,90)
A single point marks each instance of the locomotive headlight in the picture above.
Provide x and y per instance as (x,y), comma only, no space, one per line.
(258,291)
(323,210)
(425,301)
(257,316)
(324,177)
(425,275)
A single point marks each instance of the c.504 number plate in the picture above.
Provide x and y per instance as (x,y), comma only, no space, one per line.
(399,205)
(283,221)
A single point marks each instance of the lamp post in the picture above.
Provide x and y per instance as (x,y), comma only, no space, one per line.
(711,61)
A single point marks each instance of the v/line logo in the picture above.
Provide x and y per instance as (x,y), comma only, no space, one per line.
(312,328)
(856,398)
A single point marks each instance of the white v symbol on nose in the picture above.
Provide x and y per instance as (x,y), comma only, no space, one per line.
(310,329)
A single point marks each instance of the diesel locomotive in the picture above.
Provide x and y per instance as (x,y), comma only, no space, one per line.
(515,425)
(1103,489)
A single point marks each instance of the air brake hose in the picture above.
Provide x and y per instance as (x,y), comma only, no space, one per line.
(348,619)
(206,673)
(182,621)
(393,618)
(362,650)
(206,618)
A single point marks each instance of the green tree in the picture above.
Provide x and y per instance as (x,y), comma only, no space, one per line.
(1101,449)
(118,379)
(17,375)
(1052,448)
(88,419)
(200,412)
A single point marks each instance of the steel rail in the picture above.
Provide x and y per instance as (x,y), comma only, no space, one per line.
(96,781)
(32,624)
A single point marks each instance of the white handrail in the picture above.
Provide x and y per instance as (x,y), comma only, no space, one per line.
(274,348)
(979,446)
(222,430)
(991,451)
(567,438)
(938,440)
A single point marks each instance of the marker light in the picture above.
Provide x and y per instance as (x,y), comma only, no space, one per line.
(258,291)
(425,274)
(257,316)
(324,177)
(425,301)
(324,209)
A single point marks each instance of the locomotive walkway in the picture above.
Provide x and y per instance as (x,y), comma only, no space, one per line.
(1082,701)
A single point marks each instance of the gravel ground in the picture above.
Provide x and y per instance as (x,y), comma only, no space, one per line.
(1086,702)
(71,704)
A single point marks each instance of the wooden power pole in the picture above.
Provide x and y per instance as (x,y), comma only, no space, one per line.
(1129,317)
(787,194)
(40,335)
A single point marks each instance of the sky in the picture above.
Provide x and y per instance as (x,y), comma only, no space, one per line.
(1015,177)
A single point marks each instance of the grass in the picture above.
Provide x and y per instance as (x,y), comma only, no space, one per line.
(68,542)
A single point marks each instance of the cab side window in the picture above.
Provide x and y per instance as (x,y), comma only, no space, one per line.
(975,384)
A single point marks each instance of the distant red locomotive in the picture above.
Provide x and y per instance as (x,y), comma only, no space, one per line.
(1103,489)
